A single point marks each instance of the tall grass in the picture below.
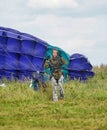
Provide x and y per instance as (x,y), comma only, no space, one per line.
(84,106)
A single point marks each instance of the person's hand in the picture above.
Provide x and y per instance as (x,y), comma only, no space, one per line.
(47,61)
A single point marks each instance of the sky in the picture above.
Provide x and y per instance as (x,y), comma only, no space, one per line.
(76,26)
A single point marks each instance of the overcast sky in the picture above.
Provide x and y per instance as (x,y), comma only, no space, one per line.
(76,26)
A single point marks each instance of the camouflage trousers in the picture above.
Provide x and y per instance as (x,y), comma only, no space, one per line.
(57,85)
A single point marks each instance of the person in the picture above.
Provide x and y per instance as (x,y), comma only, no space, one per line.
(38,81)
(55,64)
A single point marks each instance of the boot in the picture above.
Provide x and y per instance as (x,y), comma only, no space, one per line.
(61,95)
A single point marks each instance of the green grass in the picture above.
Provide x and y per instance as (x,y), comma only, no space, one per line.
(84,106)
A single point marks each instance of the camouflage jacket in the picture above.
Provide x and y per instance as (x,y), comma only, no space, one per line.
(55,65)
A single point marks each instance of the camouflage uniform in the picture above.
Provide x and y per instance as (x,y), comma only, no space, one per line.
(55,65)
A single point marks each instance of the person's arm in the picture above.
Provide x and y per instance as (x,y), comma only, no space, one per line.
(46,65)
(63,61)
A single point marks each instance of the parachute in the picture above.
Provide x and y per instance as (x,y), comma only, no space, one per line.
(22,54)
(79,67)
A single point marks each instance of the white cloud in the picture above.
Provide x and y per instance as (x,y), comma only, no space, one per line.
(94,3)
(59,22)
(68,33)
(62,25)
(52,3)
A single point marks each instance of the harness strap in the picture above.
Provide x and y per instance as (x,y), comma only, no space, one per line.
(52,68)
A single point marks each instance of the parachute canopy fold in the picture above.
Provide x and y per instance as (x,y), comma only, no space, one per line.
(21,54)
(80,67)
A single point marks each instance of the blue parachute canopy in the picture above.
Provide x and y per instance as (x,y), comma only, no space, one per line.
(80,67)
(22,54)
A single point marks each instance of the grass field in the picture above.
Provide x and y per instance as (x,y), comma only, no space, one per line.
(84,106)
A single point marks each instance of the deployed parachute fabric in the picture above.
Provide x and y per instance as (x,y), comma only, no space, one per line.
(79,62)
(63,54)
(21,54)
(81,75)
(79,67)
